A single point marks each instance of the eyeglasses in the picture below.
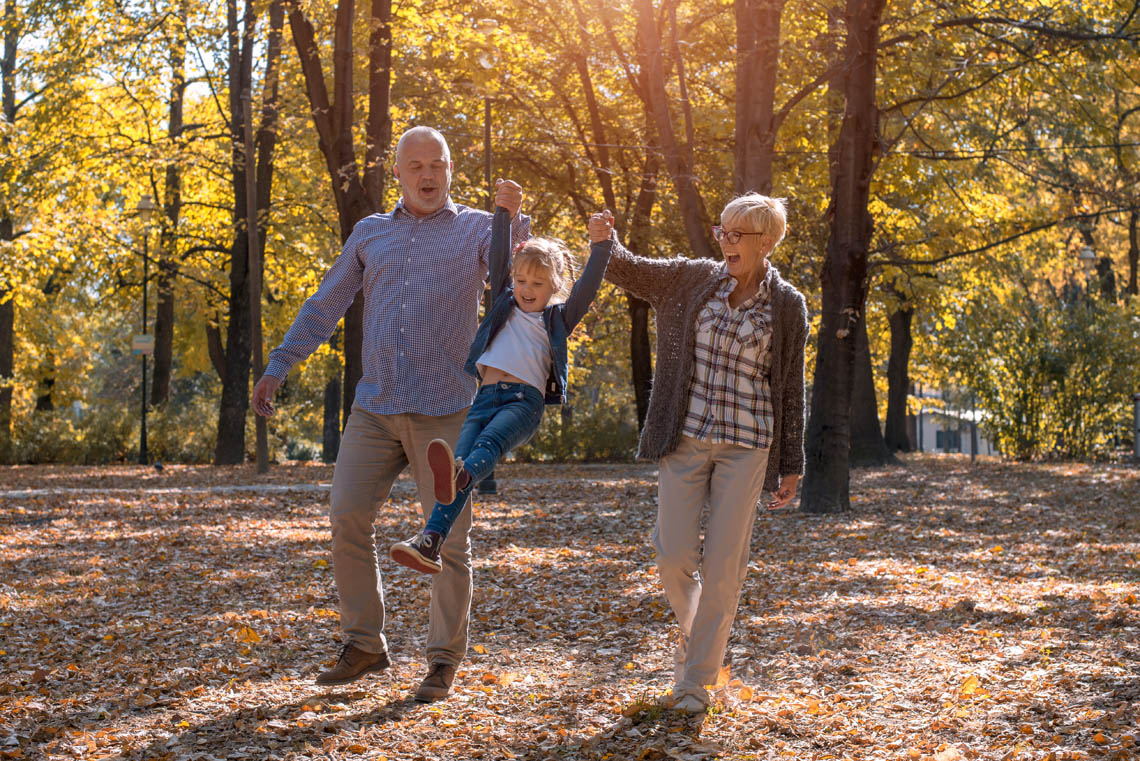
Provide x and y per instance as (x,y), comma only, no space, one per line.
(732,236)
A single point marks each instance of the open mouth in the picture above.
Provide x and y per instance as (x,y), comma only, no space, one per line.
(732,259)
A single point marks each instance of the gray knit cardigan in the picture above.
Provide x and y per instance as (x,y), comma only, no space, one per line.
(677,289)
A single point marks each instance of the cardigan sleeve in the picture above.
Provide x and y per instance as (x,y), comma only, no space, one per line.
(647,279)
(792,446)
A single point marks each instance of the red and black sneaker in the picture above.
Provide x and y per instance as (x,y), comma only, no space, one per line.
(441,460)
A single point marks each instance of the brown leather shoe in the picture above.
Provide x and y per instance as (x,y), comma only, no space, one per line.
(353,664)
(437,684)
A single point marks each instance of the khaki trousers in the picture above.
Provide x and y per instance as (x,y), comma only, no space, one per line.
(704,590)
(373,452)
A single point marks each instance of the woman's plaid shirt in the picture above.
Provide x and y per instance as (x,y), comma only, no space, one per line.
(730,400)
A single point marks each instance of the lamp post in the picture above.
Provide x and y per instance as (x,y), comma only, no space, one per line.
(144,209)
(1086,257)
(488,57)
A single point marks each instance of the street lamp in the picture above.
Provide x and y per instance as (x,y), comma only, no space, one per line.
(1087,259)
(145,210)
(488,57)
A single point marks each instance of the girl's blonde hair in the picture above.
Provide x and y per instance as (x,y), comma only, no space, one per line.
(552,257)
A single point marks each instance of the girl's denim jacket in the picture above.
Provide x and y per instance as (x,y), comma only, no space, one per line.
(559,319)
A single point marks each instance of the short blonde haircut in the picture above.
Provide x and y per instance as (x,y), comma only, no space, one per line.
(755,213)
(552,257)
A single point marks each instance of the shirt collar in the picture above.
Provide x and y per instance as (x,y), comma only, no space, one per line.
(448,206)
(728,282)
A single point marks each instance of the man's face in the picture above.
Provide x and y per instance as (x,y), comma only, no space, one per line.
(424,172)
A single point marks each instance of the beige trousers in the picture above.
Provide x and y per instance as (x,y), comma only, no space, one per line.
(704,589)
(375,449)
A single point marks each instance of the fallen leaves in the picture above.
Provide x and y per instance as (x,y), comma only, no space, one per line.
(962,613)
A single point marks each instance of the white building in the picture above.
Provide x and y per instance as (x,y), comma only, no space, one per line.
(940,426)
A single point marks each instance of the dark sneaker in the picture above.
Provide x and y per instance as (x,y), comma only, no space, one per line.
(441,460)
(437,684)
(420,553)
(353,664)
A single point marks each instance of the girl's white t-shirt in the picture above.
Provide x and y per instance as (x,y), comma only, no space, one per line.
(521,348)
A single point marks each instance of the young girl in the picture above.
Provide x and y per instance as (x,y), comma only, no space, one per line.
(519,356)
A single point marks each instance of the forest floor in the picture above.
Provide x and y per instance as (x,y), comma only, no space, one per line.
(960,611)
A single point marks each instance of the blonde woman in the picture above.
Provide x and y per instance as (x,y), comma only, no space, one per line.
(725,418)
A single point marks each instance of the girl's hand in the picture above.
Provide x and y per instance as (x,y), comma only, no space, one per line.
(601,226)
(785,493)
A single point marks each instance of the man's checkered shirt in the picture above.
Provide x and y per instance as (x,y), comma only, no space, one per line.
(730,400)
(422,281)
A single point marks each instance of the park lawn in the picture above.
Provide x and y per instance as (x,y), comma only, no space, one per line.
(960,611)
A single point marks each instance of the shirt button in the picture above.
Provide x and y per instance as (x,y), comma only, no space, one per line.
(409,259)
(413,239)
(403,306)
(401,330)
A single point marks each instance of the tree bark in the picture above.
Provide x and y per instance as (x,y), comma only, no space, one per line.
(826,485)
(640,347)
(172,208)
(7,369)
(1106,277)
(330,438)
(868,448)
(355,197)
(757,67)
(677,159)
(215,350)
(7,228)
(1133,252)
(230,445)
(640,350)
(45,385)
(898,380)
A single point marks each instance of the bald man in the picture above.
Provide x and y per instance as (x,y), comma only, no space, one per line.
(422,268)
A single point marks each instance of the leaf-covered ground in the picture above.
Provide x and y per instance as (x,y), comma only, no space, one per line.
(961,611)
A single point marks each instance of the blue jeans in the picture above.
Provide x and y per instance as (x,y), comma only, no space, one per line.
(502,417)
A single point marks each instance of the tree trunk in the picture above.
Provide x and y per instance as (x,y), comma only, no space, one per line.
(757,67)
(677,159)
(640,347)
(1106,277)
(330,439)
(868,449)
(172,207)
(898,380)
(45,385)
(355,197)
(215,350)
(1133,252)
(230,446)
(7,344)
(7,228)
(7,370)
(163,325)
(843,278)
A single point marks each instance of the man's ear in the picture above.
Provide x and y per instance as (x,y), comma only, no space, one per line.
(396,170)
